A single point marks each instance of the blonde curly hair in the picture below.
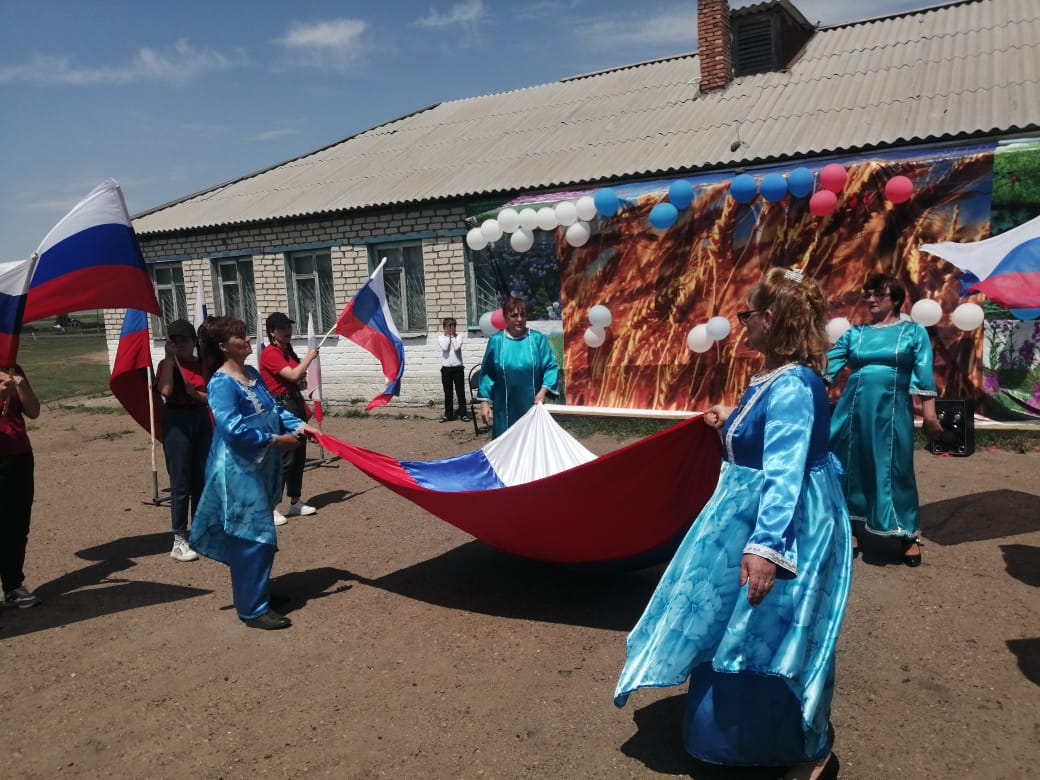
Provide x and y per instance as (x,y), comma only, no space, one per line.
(798,331)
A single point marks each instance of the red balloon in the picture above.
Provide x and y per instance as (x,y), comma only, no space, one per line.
(822,203)
(899,189)
(832,177)
(498,319)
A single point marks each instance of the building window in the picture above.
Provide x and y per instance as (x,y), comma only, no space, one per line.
(169,287)
(494,273)
(235,290)
(405,283)
(309,279)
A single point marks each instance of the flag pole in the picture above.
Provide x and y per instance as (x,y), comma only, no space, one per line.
(151,429)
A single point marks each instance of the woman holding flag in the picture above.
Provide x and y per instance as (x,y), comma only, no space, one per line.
(234,522)
(285,375)
(187,430)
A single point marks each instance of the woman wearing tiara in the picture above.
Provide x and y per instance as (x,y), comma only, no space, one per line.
(750,607)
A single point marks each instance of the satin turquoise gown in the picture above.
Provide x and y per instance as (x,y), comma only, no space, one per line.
(512,372)
(761,678)
(244,471)
(872,430)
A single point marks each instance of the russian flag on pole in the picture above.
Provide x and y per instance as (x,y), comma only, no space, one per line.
(314,372)
(131,374)
(91,260)
(367,322)
(14,281)
(1005,268)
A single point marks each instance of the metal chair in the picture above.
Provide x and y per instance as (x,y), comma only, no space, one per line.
(474,402)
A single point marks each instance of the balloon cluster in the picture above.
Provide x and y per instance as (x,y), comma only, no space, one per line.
(574,216)
(599,318)
(967,316)
(801,182)
(702,336)
(492,321)
(927,312)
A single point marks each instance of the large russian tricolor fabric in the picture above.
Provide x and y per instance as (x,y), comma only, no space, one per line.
(91,260)
(537,493)
(1005,268)
(314,373)
(367,322)
(14,281)
(131,375)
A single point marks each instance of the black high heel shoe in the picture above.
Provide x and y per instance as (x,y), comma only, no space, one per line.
(912,560)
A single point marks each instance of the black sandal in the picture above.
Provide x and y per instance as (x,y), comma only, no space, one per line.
(912,560)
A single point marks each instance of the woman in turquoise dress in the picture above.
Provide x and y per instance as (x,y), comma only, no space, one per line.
(234,521)
(872,430)
(518,370)
(750,607)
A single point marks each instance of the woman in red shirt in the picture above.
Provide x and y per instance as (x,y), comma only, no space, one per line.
(187,430)
(285,375)
(17,401)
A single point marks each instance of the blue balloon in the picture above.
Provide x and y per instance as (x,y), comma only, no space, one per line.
(774,187)
(663,215)
(800,182)
(680,193)
(743,188)
(607,202)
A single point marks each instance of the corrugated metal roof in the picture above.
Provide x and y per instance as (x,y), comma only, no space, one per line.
(956,71)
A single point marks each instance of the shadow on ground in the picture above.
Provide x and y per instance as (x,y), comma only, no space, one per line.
(478,578)
(989,515)
(93,591)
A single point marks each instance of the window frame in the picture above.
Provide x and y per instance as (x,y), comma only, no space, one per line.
(409,289)
(244,280)
(325,313)
(176,288)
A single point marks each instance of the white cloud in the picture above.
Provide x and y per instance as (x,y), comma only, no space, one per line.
(274,135)
(466,13)
(675,27)
(178,64)
(337,44)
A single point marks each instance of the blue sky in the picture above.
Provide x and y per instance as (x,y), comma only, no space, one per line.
(170,98)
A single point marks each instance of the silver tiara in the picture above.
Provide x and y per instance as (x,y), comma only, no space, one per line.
(796,275)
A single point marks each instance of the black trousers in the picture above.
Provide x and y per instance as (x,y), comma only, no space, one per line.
(454,376)
(294,461)
(16,487)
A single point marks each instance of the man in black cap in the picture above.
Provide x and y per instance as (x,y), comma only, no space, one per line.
(285,375)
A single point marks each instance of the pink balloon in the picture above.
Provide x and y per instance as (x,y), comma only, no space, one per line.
(899,189)
(832,177)
(822,203)
(498,319)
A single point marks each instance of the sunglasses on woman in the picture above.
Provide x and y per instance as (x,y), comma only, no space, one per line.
(743,317)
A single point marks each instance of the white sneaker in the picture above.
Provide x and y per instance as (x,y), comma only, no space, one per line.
(182,551)
(298,509)
(279,518)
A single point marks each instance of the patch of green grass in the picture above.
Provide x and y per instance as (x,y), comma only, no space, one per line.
(111,435)
(64,366)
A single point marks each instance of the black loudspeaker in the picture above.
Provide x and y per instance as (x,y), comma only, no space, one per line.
(957,417)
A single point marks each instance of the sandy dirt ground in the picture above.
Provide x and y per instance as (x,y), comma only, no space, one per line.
(416,651)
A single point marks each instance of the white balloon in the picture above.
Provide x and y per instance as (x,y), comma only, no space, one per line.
(485,324)
(566,213)
(600,316)
(508,220)
(546,218)
(698,339)
(926,312)
(718,328)
(586,207)
(578,234)
(475,239)
(528,219)
(521,240)
(491,229)
(968,316)
(595,337)
(836,327)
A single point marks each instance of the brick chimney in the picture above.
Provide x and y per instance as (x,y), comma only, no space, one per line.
(715,44)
